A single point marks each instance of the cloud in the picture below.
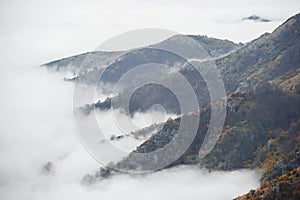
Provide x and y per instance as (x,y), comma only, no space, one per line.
(37,127)
(36,115)
(69,27)
(179,183)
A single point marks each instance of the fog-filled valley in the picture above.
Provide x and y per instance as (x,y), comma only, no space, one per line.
(39,128)
(59,123)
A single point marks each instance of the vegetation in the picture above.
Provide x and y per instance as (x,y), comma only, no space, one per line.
(262,126)
(286,186)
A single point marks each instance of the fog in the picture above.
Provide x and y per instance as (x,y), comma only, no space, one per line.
(36,117)
(64,28)
(37,127)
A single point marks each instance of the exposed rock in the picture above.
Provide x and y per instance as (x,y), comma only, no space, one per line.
(101,174)
(286,186)
(48,168)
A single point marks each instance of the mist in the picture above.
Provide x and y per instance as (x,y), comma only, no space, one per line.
(65,28)
(37,124)
(37,127)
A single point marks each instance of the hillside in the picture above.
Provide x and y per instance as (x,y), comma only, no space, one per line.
(261,113)
(272,57)
(286,186)
(87,66)
(262,126)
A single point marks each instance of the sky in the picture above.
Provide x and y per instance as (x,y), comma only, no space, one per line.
(36,115)
(59,28)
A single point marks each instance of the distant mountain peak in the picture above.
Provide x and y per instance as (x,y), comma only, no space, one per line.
(256,18)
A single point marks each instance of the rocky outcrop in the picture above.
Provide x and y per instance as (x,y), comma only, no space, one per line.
(286,186)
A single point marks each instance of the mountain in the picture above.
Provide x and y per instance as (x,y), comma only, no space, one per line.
(194,45)
(262,125)
(262,81)
(258,133)
(272,57)
(90,60)
(263,108)
(172,53)
(256,18)
(86,66)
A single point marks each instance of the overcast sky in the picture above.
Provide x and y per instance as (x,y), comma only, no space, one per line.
(58,28)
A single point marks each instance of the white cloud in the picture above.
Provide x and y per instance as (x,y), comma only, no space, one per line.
(64,28)
(36,106)
(37,127)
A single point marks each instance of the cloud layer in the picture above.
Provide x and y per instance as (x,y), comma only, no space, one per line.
(37,127)
(36,106)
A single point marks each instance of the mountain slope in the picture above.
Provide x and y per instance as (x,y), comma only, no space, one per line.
(262,125)
(92,59)
(262,80)
(286,186)
(272,57)
(116,62)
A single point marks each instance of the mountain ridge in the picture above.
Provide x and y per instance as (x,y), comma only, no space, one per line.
(262,125)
